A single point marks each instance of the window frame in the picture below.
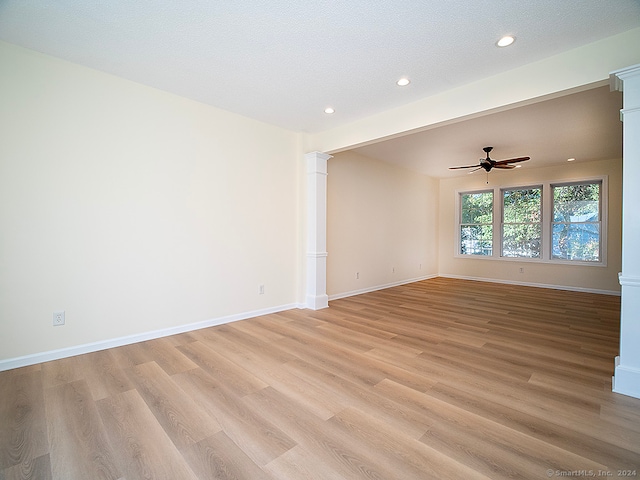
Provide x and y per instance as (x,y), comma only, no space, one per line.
(541,222)
(493,221)
(601,210)
(547,221)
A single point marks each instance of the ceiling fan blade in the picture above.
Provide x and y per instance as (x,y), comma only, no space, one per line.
(512,160)
(467,166)
(487,163)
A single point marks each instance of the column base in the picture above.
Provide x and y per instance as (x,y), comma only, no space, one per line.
(317,302)
(626,380)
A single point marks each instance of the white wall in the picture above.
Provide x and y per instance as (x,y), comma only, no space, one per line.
(381,223)
(590,278)
(134,210)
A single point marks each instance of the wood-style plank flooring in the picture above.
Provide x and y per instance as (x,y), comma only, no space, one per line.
(437,379)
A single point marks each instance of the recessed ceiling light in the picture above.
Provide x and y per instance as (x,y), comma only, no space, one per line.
(570,159)
(403,82)
(329,110)
(518,166)
(506,41)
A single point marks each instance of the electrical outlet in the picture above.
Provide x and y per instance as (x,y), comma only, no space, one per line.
(521,269)
(261,291)
(58,318)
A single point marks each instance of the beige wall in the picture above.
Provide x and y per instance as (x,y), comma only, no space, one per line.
(381,218)
(134,210)
(381,223)
(591,278)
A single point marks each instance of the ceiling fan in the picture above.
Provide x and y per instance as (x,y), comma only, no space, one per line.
(488,164)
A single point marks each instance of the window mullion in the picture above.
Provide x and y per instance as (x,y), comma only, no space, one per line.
(547,222)
(497,222)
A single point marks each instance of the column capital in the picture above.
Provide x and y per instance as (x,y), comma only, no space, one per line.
(627,80)
(617,77)
(317,162)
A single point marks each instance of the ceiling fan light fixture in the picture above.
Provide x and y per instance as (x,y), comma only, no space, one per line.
(506,41)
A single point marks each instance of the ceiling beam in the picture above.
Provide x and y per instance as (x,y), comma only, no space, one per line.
(583,67)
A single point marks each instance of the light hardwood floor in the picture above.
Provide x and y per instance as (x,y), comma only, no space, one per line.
(437,379)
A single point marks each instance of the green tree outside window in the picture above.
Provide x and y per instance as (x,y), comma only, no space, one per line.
(476,225)
(521,222)
(576,222)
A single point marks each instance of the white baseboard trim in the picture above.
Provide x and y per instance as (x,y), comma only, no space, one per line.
(529,284)
(50,355)
(337,296)
(33,359)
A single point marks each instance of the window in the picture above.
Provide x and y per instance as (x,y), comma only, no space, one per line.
(476,223)
(554,222)
(522,222)
(576,222)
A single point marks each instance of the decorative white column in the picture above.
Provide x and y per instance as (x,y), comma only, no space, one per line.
(627,373)
(317,230)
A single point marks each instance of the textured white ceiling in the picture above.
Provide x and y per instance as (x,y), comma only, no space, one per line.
(284,61)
